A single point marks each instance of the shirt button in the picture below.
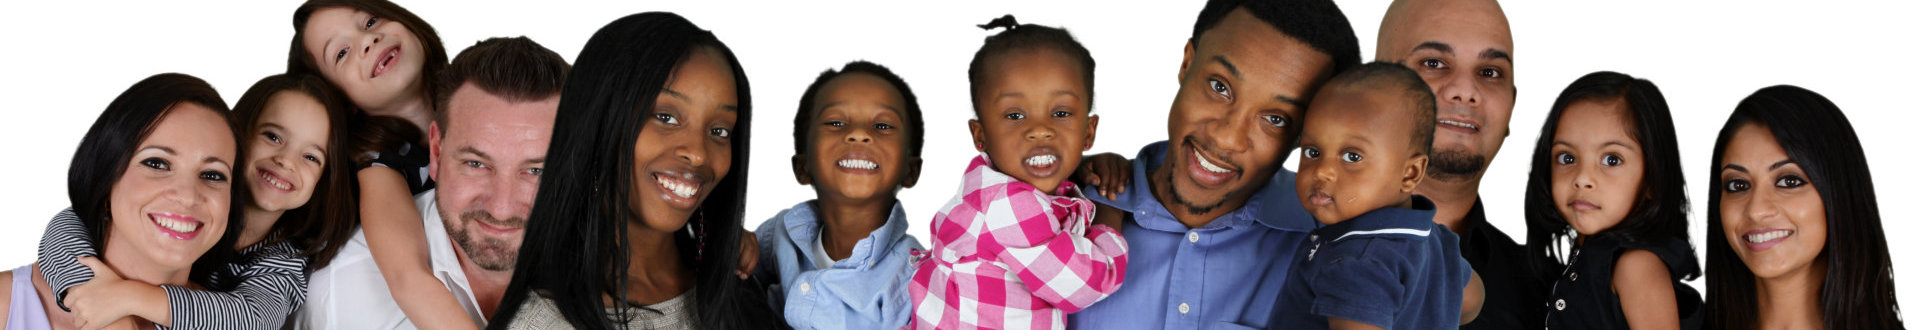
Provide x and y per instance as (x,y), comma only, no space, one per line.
(1193,237)
(1558,304)
(1313,237)
(1183,308)
(1573,277)
(804,288)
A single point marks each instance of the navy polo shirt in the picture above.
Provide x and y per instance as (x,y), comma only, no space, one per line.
(1392,267)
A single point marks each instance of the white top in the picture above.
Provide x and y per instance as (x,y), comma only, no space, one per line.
(820,249)
(540,313)
(351,294)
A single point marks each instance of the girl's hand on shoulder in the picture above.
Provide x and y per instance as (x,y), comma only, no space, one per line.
(107,298)
(1108,172)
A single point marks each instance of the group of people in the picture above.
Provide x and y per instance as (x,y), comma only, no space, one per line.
(383,184)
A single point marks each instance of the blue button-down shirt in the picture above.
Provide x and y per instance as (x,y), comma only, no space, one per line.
(867,290)
(1227,274)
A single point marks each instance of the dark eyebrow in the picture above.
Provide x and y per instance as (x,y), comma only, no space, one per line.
(1436,46)
(1495,54)
(1233,70)
(165,149)
(674,94)
(1290,100)
(1742,169)
(216,160)
(1782,162)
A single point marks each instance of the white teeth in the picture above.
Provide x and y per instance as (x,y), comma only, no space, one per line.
(858,164)
(176,225)
(1768,236)
(275,183)
(1461,124)
(1207,165)
(676,187)
(1042,160)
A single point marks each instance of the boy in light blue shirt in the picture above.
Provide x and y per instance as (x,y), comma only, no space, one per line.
(844,260)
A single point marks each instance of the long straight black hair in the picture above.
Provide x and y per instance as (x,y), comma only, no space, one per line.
(1858,293)
(320,227)
(576,248)
(1659,212)
(109,145)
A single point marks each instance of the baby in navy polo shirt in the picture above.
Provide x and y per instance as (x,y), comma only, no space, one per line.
(1380,261)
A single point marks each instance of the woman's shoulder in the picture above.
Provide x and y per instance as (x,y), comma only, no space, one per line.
(538,312)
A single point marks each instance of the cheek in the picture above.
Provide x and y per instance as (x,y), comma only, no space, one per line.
(1809,218)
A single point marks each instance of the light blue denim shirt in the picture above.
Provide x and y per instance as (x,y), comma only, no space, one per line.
(867,290)
(1225,275)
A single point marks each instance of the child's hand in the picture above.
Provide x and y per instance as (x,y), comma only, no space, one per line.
(749,253)
(101,301)
(1108,172)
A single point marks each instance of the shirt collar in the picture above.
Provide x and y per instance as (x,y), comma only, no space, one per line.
(1274,206)
(1388,220)
(803,227)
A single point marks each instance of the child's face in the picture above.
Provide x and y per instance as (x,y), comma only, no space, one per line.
(1597,165)
(1034,120)
(1769,210)
(859,148)
(287,151)
(376,61)
(1356,154)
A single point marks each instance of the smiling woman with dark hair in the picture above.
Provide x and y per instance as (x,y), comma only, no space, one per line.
(636,223)
(151,185)
(1793,230)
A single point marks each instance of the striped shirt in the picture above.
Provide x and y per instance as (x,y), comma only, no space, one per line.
(261,288)
(1007,255)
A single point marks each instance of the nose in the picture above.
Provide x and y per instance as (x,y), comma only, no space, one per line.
(1325,174)
(1761,206)
(860,135)
(367,41)
(1040,132)
(1236,133)
(182,189)
(1460,87)
(1582,179)
(502,199)
(693,152)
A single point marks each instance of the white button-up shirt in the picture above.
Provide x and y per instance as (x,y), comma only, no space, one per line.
(351,294)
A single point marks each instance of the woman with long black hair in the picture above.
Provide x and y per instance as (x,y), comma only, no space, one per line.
(1793,228)
(636,222)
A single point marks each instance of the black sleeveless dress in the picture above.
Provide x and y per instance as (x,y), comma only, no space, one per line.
(1582,296)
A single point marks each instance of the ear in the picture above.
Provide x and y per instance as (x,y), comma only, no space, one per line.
(800,172)
(913,173)
(1186,58)
(1416,172)
(433,150)
(979,134)
(1093,124)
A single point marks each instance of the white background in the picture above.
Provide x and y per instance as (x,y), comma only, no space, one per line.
(63,61)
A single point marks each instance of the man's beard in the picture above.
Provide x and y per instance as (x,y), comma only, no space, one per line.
(1455,165)
(488,253)
(1192,207)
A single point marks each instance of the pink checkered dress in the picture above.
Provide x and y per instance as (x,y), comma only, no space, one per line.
(1006,255)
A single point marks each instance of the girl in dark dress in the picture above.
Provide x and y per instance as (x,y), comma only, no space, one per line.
(1606,179)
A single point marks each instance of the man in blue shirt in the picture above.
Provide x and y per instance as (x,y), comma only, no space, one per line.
(1210,216)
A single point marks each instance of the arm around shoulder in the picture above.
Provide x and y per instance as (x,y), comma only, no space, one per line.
(395,236)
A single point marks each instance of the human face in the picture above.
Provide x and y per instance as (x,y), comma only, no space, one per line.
(1597,165)
(1242,89)
(859,141)
(487,160)
(287,151)
(1034,116)
(376,61)
(1769,211)
(171,204)
(686,148)
(1356,154)
(1463,49)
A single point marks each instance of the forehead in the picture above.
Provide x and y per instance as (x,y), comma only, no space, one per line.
(1030,66)
(1607,119)
(704,76)
(1753,143)
(1377,112)
(474,113)
(859,88)
(294,106)
(1262,53)
(325,23)
(193,130)
(1469,26)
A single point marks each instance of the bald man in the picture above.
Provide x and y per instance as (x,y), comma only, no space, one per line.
(1464,51)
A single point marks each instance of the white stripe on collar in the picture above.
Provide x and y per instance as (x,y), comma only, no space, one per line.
(1388,231)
